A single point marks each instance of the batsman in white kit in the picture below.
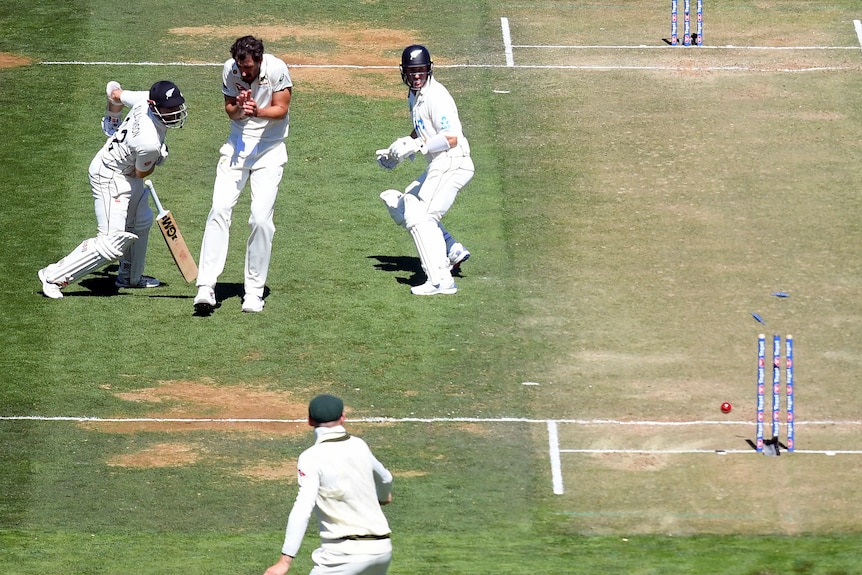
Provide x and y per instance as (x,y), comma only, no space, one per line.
(257,89)
(438,135)
(135,146)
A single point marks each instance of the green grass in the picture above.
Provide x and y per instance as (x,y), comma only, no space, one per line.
(624,226)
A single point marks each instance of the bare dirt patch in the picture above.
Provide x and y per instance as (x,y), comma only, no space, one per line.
(231,408)
(224,408)
(280,471)
(323,44)
(327,45)
(13,61)
(159,455)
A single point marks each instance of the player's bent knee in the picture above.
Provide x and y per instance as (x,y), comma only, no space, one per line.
(112,246)
(414,212)
(394,204)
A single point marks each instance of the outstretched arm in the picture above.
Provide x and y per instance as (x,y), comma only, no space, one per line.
(281,566)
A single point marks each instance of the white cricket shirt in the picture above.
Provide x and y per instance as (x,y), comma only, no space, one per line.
(138,141)
(433,111)
(343,483)
(274,77)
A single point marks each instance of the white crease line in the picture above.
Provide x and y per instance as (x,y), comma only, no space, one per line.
(714,451)
(596,67)
(507,42)
(87,419)
(694,48)
(554,450)
(858,25)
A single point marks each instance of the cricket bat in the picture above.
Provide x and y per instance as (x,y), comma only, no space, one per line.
(174,238)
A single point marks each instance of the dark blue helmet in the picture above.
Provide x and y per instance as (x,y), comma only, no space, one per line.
(417,58)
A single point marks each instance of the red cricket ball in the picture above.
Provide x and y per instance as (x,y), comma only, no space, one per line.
(726,407)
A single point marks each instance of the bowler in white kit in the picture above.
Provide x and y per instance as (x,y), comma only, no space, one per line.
(257,90)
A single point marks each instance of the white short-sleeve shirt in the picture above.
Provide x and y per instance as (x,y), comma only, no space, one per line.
(274,77)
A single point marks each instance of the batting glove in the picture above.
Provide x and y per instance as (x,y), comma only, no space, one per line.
(404,148)
(109,89)
(110,123)
(163,155)
(385,160)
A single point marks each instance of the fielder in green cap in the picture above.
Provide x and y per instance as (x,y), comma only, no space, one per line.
(345,486)
(325,408)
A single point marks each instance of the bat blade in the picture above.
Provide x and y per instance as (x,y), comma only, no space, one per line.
(177,245)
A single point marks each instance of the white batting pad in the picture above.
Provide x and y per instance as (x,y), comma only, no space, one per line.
(89,256)
(392,199)
(432,251)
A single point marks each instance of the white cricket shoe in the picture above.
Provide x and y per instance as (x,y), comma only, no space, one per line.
(252,303)
(457,256)
(433,289)
(205,301)
(144,282)
(49,289)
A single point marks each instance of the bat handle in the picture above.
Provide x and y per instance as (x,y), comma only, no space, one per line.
(149,185)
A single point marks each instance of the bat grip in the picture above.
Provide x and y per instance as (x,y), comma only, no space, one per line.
(149,185)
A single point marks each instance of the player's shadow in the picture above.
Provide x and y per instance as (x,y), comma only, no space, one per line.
(101,283)
(96,287)
(395,264)
(408,264)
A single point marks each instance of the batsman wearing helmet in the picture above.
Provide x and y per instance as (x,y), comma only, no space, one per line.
(132,151)
(438,135)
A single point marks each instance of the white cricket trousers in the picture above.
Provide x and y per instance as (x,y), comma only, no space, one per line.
(328,561)
(423,205)
(439,185)
(122,205)
(119,200)
(237,166)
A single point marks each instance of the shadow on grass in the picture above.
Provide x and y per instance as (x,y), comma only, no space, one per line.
(101,284)
(409,264)
(401,264)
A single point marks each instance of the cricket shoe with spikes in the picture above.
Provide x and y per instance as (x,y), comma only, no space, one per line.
(205,301)
(144,282)
(457,256)
(252,304)
(434,289)
(49,289)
